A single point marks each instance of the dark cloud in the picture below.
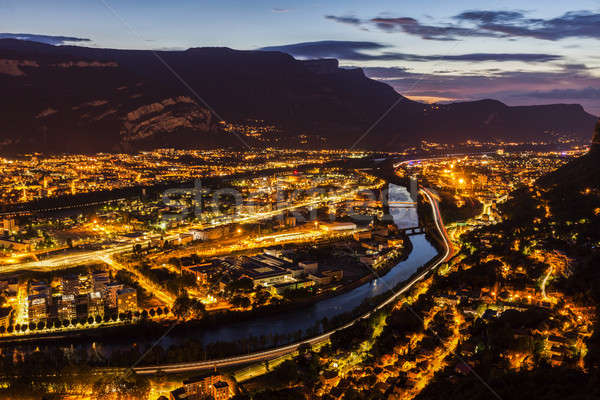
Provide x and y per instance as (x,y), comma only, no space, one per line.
(355,51)
(490,16)
(486,23)
(350,20)
(345,50)
(578,85)
(526,57)
(576,67)
(384,73)
(48,39)
(428,32)
(588,93)
(580,24)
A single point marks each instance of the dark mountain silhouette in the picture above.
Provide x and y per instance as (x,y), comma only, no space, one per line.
(67,98)
(580,174)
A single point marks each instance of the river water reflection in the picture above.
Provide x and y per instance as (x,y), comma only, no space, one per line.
(305,318)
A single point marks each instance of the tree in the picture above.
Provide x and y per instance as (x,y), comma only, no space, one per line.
(240,302)
(242,285)
(137,249)
(262,296)
(125,386)
(287,372)
(198,309)
(304,348)
(176,262)
(182,306)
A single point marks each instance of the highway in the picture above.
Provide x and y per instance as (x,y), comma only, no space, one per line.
(106,254)
(545,281)
(444,157)
(447,253)
(87,257)
(164,296)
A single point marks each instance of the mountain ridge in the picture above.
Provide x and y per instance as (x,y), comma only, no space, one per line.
(48,90)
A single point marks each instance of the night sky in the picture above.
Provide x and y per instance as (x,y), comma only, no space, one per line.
(537,52)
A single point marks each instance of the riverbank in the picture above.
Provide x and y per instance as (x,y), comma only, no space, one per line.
(232,336)
(145,328)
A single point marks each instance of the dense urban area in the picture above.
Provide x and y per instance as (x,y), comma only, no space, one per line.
(197,241)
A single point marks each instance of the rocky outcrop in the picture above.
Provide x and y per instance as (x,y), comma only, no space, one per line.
(166,116)
(13,67)
(46,113)
(90,99)
(93,103)
(86,64)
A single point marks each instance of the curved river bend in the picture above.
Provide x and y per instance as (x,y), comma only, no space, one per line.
(306,317)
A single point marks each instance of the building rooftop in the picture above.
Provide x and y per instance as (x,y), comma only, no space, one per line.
(221,384)
(179,394)
(199,378)
(126,290)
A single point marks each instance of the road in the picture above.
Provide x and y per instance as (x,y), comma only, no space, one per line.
(447,253)
(545,281)
(87,257)
(443,157)
(161,294)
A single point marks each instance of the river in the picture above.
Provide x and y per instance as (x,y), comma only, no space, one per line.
(286,323)
(306,317)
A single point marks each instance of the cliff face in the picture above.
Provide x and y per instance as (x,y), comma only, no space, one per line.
(55,100)
(595,148)
(13,67)
(580,174)
(166,116)
(69,98)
